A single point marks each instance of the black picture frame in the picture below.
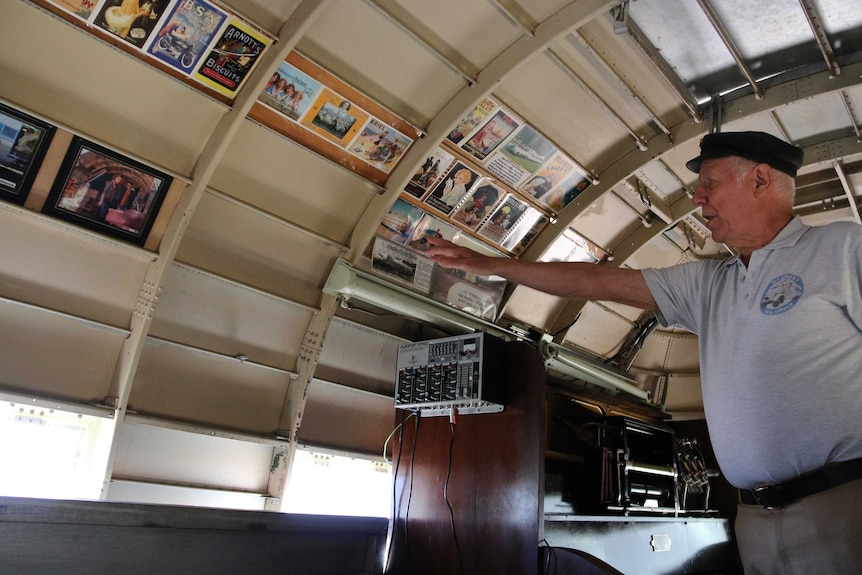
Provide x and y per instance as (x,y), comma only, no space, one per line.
(24,140)
(107,192)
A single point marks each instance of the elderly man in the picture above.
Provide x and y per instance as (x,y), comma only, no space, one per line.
(780,336)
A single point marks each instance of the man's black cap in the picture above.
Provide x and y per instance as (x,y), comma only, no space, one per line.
(756,146)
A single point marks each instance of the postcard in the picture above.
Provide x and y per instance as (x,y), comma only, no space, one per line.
(232,57)
(335,118)
(429,173)
(131,20)
(289,91)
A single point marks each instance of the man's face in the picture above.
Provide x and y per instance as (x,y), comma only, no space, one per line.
(725,201)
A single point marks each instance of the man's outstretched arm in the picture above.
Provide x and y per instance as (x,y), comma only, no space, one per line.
(565,279)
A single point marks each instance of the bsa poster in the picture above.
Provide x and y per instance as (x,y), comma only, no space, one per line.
(380,145)
(231,58)
(185,34)
(503,219)
(429,173)
(131,20)
(335,118)
(452,188)
(290,91)
(491,135)
(473,119)
(478,204)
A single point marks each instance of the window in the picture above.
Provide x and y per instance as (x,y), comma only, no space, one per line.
(49,453)
(327,484)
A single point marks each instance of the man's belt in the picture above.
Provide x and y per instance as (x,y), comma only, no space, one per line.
(777,495)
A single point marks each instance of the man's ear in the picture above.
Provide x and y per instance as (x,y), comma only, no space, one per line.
(763,175)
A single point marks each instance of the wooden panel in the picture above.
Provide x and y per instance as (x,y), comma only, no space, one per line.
(494,487)
(82,538)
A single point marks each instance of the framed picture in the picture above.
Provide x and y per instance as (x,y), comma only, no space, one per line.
(104,191)
(23,143)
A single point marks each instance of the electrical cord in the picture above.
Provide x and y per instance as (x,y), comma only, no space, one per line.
(446,497)
(390,543)
(551,555)
(418,415)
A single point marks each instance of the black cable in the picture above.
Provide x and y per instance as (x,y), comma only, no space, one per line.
(448,504)
(552,554)
(418,415)
(390,545)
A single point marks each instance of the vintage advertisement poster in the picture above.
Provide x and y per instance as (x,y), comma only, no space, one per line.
(80,8)
(335,118)
(491,135)
(528,149)
(480,296)
(185,34)
(429,173)
(505,169)
(503,219)
(569,189)
(468,123)
(380,145)
(131,20)
(523,232)
(452,188)
(478,204)
(232,57)
(289,91)
(399,224)
(522,154)
(548,177)
(402,263)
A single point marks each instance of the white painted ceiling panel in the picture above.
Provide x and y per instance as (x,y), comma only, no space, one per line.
(204,311)
(359,357)
(348,419)
(147,452)
(193,386)
(66,358)
(67,270)
(362,47)
(278,176)
(266,254)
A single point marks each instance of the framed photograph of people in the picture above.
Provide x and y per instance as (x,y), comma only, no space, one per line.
(106,192)
(23,143)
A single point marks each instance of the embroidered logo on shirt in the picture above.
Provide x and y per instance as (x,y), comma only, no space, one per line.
(781,294)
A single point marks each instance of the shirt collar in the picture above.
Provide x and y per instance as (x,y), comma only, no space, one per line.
(787,237)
